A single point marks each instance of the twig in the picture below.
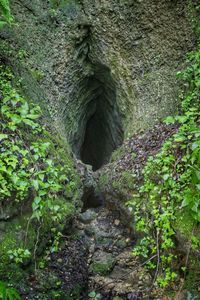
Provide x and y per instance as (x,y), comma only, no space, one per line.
(26,234)
(35,248)
(158,258)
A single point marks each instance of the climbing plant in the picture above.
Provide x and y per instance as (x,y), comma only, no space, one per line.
(31,169)
(171,183)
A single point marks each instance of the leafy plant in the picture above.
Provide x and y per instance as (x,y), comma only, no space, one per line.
(7,293)
(94,295)
(31,169)
(5,14)
(171,183)
(19,255)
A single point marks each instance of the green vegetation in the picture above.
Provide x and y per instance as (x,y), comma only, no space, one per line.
(102,267)
(27,166)
(5,14)
(171,186)
(38,75)
(37,177)
(126,181)
(7,293)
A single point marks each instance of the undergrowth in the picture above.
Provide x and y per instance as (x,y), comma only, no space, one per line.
(8,293)
(35,171)
(5,13)
(171,185)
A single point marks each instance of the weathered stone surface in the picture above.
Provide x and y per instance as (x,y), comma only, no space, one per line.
(87,216)
(112,61)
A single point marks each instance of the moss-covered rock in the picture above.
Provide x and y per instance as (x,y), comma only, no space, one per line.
(131,74)
(102,263)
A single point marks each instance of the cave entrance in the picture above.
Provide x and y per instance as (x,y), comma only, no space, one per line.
(100,122)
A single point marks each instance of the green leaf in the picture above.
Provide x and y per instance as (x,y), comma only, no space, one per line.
(30,123)
(24,109)
(35,184)
(92,294)
(169,120)
(179,138)
(3,136)
(184,203)
(181,119)
(2,24)
(166,176)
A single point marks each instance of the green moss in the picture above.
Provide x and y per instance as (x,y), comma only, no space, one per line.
(102,267)
(103,180)
(184,223)
(38,75)
(119,152)
(13,237)
(125,183)
(192,278)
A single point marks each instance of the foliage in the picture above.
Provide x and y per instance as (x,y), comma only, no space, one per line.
(5,14)
(31,168)
(171,183)
(94,295)
(18,255)
(7,293)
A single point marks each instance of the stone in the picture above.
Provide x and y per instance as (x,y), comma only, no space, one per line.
(117,222)
(102,263)
(87,216)
(103,78)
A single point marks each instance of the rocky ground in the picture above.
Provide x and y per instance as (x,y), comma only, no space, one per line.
(114,273)
(96,261)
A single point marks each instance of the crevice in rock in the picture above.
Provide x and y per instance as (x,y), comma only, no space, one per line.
(100,126)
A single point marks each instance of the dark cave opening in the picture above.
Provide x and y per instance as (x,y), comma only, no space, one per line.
(100,128)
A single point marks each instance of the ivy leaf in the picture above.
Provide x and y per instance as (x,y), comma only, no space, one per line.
(33,117)
(16,119)
(35,184)
(92,294)
(169,120)
(184,203)
(179,138)
(24,109)
(181,119)
(166,176)
(30,123)
(3,136)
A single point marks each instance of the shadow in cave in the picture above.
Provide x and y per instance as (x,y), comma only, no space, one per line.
(102,132)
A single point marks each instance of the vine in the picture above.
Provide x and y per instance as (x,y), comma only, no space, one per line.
(171,184)
(32,168)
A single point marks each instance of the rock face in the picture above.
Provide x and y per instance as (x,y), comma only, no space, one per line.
(101,70)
